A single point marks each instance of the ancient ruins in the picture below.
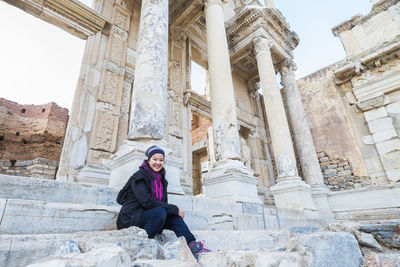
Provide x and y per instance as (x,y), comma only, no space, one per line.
(255,160)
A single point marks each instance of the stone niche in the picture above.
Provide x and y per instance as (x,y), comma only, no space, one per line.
(31,138)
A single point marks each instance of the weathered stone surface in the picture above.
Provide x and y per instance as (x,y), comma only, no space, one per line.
(382,259)
(254,258)
(55,191)
(387,233)
(20,250)
(105,256)
(328,249)
(375,114)
(388,146)
(78,153)
(32,216)
(243,239)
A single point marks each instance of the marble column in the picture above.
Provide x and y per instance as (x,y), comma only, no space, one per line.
(229,179)
(223,106)
(149,100)
(302,134)
(304,141)
(289,192)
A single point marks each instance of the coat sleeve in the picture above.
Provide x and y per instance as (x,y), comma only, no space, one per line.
(147,202)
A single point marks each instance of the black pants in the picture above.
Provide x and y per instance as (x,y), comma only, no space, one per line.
(155,220)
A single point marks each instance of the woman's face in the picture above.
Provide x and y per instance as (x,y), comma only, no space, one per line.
(156,162)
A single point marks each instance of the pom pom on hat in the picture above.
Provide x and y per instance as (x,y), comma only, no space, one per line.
(153,150)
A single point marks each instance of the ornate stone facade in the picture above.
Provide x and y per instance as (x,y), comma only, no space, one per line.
(134,91)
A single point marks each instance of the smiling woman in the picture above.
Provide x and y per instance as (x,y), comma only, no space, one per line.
(42,62)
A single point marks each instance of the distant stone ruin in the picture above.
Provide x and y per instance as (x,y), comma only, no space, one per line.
(31,138)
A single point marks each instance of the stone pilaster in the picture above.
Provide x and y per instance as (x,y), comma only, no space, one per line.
(289,192)
(229,179)
(92,131)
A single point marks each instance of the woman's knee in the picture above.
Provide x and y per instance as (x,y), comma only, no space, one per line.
(159,213)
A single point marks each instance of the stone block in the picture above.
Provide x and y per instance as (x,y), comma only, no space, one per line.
(385,232)
(23,163)
(367,140)
(391,160)
(271,222)
(379,125)
(248,240)
(393,108)
(248,222)
(55,191)
(388,146)
(384,135)
(212,205)
(383,259)
(252,208)
(38,217)
(328,248)
(183,202)
(375,114)
(393,175)
(21,250)
(231,257)
(3,203)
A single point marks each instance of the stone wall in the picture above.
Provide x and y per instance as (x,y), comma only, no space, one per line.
(200,126)
(36,168)
(338,173)
(31,138)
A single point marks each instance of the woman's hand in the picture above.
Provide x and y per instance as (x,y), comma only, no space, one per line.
(181,213)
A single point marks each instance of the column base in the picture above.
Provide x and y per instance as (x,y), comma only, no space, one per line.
(231,180)
(131,155)
(94,174)
(293,194)
(320,196)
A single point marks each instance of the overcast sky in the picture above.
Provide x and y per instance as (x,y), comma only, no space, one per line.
(40,63)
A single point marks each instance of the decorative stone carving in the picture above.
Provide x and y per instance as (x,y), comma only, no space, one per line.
(245,153)
(111,86)
(106,132)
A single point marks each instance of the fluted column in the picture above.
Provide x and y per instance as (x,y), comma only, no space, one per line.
(302,134)
(149,97)
(223,107)
(278,125)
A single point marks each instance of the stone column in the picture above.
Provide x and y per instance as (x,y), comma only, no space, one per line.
(149,100)
(223,106)
(290,191)
(230,179)
(302,134)
(304,141)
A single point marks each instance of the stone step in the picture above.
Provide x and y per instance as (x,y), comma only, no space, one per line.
(21,216)
(20,250)
(17,187)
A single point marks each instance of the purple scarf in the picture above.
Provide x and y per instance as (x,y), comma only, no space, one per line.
(156,184)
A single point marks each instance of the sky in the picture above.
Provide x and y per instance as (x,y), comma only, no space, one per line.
(40,63)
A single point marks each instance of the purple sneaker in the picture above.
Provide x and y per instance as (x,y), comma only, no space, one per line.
(198,248)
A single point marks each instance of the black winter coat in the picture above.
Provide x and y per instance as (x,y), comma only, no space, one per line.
(140,199)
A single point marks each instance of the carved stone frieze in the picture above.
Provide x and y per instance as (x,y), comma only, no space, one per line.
(105,134)
(121,18)
(372,103)
(111,88)
(116,50)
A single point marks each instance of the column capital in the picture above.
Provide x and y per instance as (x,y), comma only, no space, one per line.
(262,45)
(287,67)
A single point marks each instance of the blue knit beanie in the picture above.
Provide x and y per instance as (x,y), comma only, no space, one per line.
(153,150)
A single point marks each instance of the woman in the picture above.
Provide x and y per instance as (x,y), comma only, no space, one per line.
(145,202)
